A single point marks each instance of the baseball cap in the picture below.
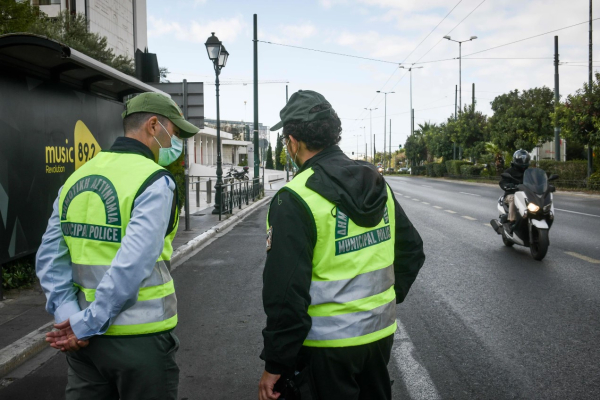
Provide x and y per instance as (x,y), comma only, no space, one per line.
(299,106)
(160,104)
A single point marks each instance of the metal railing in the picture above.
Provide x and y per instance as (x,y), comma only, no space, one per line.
(235,195)
(202,184)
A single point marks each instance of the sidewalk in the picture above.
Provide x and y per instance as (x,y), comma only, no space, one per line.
(22,313)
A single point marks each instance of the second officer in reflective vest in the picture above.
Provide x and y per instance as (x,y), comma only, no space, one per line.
(341,253)
(105,258)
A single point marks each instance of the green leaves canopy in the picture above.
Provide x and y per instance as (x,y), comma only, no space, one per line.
(579,115)
(522,120)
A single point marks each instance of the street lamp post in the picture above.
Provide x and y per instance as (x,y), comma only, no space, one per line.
(365,139)
(384,122)
(412,122)
(371,133)
(460,42)
(218,55)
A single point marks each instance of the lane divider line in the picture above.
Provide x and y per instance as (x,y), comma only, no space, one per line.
(488,225)
(580,213)
(416,379)
(416,200)
(450,211)
(582,257)
(469,218)
(426,186)
(470,194)
(425,202)
(438,207)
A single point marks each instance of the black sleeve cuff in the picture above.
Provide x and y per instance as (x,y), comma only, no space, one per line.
(277,369)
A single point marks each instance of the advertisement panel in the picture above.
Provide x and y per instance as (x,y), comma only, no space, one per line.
(47,131)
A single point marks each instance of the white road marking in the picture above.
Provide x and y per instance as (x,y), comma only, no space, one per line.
(580,213)
(399,194)
(426,186)
(416,200)
(438,207)
(470,194)
(425,202)
(469,218)
(450,211)
(582,257)
(408,197)
(488,225)
(416,378)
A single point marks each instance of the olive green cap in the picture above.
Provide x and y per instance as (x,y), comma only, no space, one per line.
(298,108)
(157,103)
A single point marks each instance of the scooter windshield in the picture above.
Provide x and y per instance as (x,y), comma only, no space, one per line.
(536,180)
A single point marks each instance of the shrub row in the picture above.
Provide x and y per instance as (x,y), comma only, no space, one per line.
(453,166)
(470,170)
(436,169)
(567,171)
(418,170)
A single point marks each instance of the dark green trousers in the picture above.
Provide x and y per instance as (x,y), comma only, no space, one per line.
(125,368)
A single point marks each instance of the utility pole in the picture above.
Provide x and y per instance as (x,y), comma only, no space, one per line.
(390,145)
(590,82)
(256,157)
(187,159)
(473,99)
(384,119)
(412,120)
(556,100)
(455,115)
(371,133)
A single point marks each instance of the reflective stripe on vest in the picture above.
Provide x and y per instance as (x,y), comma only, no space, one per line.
(95,208)
(353,301)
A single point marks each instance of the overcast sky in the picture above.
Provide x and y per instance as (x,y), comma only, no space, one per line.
(395,31)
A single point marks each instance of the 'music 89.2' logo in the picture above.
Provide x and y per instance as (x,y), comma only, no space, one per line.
(84,149)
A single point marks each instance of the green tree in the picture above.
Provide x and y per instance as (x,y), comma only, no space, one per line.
(269,164)
(471,132)
(279,165)
(522,120)
(71,30)
(579,115)
(17,16)
(415,148)
(438,141)
(282,157)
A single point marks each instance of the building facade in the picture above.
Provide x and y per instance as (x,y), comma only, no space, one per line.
(123,22)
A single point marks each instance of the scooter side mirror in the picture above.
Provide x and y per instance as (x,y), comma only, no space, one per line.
(553,177)
(552,188)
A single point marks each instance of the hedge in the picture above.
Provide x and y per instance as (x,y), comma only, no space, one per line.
(470,170)
(567,171)
(453,166)
(418,170)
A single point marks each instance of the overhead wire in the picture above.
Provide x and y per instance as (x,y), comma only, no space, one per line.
(328,52)
(429,34)
(457,25)
(530,37)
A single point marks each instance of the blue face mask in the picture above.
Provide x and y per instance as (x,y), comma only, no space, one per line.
(296,167)
(167,156)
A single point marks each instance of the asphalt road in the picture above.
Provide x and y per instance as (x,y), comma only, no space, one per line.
(482,321)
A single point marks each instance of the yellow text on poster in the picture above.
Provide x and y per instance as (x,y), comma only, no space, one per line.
(86,146)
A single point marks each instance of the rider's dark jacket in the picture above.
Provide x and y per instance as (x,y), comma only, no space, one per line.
(515,173)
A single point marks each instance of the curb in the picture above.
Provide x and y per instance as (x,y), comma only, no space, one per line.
(199,240)
(28,346)
(23,349)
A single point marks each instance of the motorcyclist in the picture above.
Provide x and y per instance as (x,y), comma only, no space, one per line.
(518,165)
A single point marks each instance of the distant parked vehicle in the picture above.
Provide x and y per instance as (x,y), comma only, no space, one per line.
(404,169)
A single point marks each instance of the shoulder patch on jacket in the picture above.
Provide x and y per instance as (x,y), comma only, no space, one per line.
(269,238)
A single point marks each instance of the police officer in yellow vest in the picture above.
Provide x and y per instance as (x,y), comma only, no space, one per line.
(341,253)
(105,258)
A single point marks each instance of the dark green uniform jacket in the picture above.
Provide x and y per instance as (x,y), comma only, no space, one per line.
(360,192)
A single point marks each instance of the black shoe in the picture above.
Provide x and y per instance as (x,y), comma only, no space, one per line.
(508,227)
